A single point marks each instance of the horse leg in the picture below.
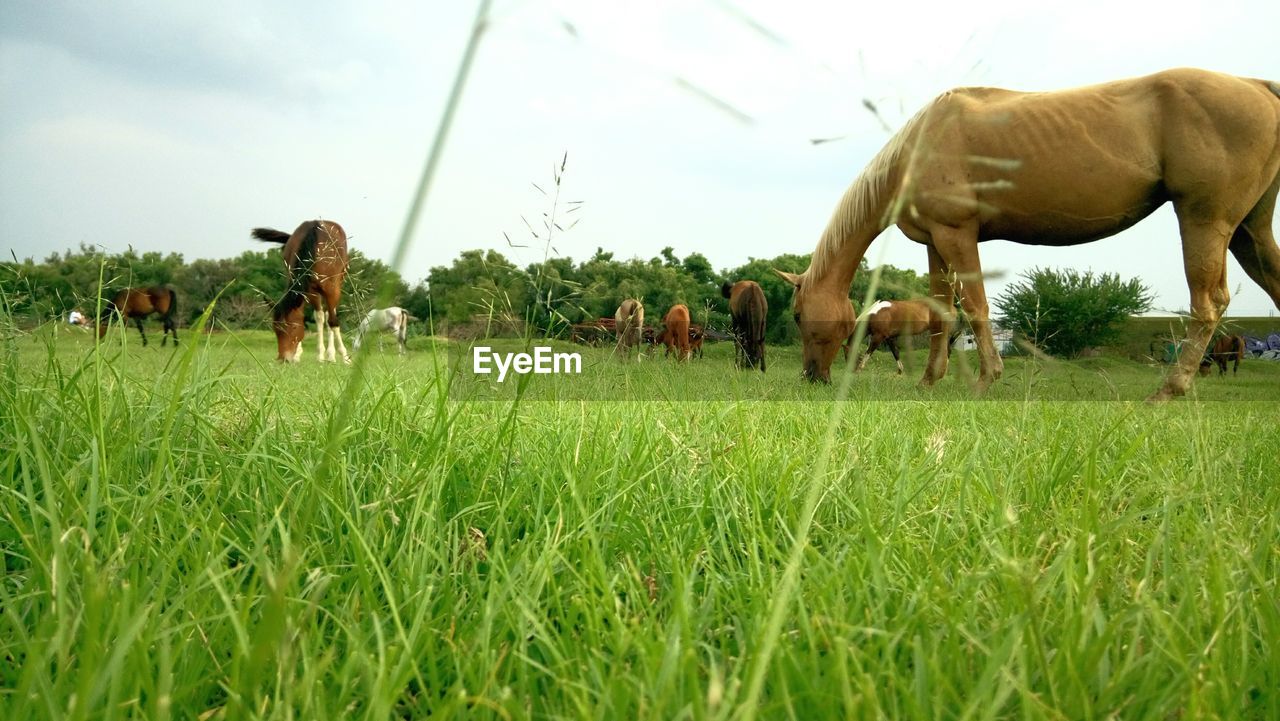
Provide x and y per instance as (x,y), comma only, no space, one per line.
(1204,251)
(138,321)
(893,348)
(873,342)
(940,290)
(315,308)
(1254,245)
(335,337)
(959,247)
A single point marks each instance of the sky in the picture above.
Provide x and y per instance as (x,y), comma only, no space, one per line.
(686,123)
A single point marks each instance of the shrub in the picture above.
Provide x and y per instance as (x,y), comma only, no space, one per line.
(1064,312)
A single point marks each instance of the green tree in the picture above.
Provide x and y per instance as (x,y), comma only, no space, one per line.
(1064,312)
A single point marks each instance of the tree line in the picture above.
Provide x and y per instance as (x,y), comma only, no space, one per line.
(478,284)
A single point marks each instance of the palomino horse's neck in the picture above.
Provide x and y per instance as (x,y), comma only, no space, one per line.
(844,244)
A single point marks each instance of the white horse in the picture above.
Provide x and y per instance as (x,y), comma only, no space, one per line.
(383,320)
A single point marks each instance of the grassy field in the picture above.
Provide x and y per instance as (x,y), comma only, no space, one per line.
(204,534)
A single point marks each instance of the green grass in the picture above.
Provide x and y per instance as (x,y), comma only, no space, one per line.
(198,535)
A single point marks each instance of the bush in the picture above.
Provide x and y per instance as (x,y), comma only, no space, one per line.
(1064,312)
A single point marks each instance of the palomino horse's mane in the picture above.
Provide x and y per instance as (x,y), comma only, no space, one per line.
(868,199)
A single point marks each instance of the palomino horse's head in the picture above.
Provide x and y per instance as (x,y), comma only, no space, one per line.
(287,322)
(826,319)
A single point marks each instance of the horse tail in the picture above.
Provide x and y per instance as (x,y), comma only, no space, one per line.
(270,235)
(173,302)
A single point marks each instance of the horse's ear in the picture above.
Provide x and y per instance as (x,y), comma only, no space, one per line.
(791,278)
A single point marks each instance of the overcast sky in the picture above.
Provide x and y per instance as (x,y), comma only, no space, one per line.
(179,126)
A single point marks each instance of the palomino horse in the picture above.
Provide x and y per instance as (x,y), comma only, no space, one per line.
(393,320)
(1060,168)
(315,262)
(138,303)
(1225,348)
(748,310)
(891,321)
(629,325)
(676,333)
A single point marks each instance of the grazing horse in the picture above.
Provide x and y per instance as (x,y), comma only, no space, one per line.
(676,333)
(1060,168)
(629,325)
(138,303)
(696,336)
(315,262)
(889,321)
(1225,348)
(749,310)
(394,320)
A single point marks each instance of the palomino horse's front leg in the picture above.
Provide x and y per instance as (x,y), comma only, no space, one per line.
(959,249)
(1204,254)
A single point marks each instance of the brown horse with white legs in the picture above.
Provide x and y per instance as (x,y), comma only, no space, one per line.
(676,332)
(1060,168)
(748,312)
(315,261)
(136,304)
(1225,348)
(629,325)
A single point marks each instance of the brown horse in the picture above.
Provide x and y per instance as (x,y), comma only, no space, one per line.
(1060,168)
(891,321)
(1225,348)
(138,303)
(748,310)
(629,325)
(676,333)
(315,261)
(696,336)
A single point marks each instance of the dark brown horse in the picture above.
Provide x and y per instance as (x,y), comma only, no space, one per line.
(315,261)
(676,333)
(1225,348)
(749,310)
(138,303)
